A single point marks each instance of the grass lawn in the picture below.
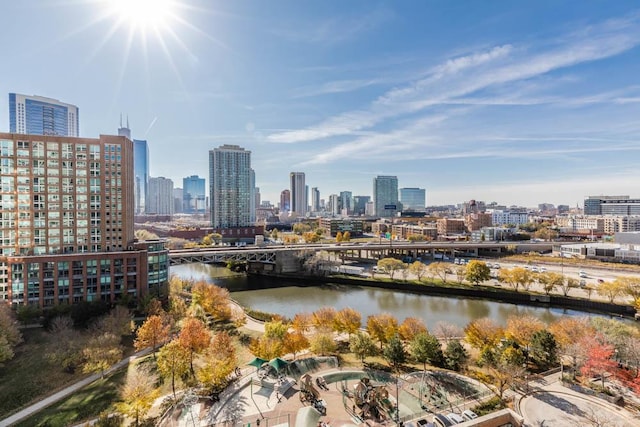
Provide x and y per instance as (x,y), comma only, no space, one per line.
(86,404)
(29,376)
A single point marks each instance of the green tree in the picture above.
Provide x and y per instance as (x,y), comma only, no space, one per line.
(6,350)
(101,351)
(394,353)
(300,228)
(455,355)
(425,348)
(65,350)
(543,350)
(173,361)
(477,271)
(323,344)
(362,345)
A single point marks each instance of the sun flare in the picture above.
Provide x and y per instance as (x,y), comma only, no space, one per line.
(144,13)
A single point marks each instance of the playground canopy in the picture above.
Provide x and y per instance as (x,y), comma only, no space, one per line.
(257,362)
(278,363)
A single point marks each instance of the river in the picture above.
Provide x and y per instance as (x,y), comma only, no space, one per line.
(290,300)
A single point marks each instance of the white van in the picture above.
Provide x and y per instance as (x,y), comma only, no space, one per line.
(469,415)
(455,418)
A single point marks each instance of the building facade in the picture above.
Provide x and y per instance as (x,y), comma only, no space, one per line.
(285,200)
(332,226)
(193,194)
(509,218)
(160,200)
(141,175)
(230,187)
(611,205)
(413,199)
(37,115)
(66,223)
(298,193)
(385,195)
(315,199)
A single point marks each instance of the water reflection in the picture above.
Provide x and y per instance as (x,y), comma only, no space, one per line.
(290,300)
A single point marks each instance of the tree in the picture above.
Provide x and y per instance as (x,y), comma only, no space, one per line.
(611,290)
(323,344)
(425,348)
(173,361)
(295,342)
(461,272)
(447,331)
(394,353)
(390,265)
(568,284)
(300,228)
(339,236)
(418,269)
(550,280)
(222,346)
(6,350)
(543,350)
(348,320)
(477,271)
(346,236)
(598,359)
(455,355)
(483,332)
(102,351)
(153,333)
(362,345)
(521,329)
(439,269)
(66,349)
(302,322)
(410,327)
(382,327)
(311,237)
(194,337)
(323,319)
(630,286)
(505,375)
(9,328)
(214,300)
(138,393)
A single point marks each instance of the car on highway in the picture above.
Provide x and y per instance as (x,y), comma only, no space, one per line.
(583,274)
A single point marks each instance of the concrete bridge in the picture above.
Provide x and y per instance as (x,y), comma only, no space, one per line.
(282,259)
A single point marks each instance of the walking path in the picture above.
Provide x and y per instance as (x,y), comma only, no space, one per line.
(38,406)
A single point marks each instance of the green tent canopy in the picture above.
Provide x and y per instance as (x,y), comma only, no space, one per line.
(278,363)
(257,362)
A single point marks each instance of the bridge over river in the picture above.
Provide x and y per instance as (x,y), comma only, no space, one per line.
(283,259)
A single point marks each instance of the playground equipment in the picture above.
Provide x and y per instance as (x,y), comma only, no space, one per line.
(372,400)
(308,393)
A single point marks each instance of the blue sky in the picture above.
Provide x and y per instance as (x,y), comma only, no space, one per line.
(518,102)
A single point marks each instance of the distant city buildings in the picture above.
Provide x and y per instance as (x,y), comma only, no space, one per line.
(140,169)
(160,201)
(37,115)
(413,199)
(285,201)
(193,193)
(298,193)
(385,195)
(611,205)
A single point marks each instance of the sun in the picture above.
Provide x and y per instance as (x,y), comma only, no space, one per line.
(142,14)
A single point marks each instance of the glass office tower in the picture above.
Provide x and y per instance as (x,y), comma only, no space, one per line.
(37,115)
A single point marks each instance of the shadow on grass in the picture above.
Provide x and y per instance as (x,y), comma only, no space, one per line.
(84,405)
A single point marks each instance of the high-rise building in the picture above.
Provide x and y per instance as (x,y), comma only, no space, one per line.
(37,115)
(360,204)
(346,202)
(66,223)
(160,201)
(298,193)
(611,205)
(413,199)
(140,170)
(385,195)
(334,204)
(315,199)
(193,194)
(177,200)
(285,200)
(230,187)
(252,196)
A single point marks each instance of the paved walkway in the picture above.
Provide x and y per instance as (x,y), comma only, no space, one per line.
(38,406)
(547,402)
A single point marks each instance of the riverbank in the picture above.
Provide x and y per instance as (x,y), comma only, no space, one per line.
(450,289)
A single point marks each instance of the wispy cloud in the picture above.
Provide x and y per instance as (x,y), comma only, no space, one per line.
(458,78)
(338,86)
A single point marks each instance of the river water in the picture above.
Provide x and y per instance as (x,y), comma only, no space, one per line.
(290,300)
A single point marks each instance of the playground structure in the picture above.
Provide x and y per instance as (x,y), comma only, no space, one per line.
(372,400)
(310,394)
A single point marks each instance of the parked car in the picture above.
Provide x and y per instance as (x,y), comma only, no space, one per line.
(441,421)
(455,418)
(469,415)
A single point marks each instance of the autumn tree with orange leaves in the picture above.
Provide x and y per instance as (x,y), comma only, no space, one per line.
(410,327)
(598,362)
(194,337)
(153,333)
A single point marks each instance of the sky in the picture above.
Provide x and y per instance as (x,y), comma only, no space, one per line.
(517,102)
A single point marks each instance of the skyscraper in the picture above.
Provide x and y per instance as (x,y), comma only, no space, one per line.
(413,199)
(37,115)
(385,195)
(298,193)
(230,187)
(193,194)
(67,225)
(160,199)
(315,199)
(285,200)
(346,202)
(140,170)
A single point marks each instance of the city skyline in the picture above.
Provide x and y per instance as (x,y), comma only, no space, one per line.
(516,103)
